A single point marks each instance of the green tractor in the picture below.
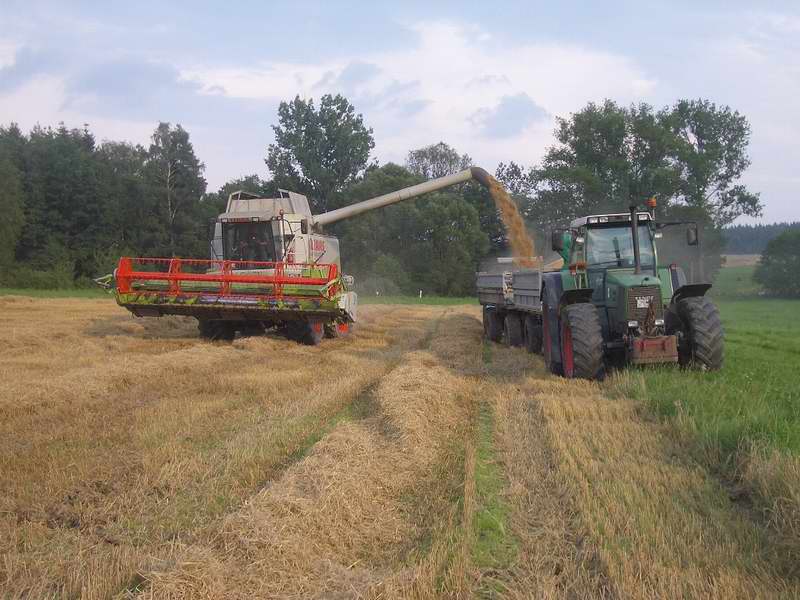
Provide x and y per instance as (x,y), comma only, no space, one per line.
(612,304)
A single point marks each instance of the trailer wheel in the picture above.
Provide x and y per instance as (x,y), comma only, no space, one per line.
(581,341)
(533,335)
(492,324)
(216,330)
(702,343)
(513,330)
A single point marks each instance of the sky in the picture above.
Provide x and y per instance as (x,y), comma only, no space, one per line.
(487,78)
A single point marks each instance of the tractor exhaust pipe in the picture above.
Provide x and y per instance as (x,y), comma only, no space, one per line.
(476,173)
(637,261)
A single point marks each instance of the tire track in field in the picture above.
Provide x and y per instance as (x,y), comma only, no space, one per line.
(349,518)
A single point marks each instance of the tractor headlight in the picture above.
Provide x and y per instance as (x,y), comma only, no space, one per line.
(659,322)
(633,323)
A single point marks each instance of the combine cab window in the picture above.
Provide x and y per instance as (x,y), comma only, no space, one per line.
(249,241)
(613,247)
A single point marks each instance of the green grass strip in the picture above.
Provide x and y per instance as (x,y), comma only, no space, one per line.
(494,546)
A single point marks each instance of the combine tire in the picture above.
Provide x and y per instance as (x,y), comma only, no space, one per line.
(223,331)
(492,325)
(533,334)
(337,330)
(514,335)
(701,345)
(581,341)
(309,332)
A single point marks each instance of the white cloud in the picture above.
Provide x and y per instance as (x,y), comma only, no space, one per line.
(452,73)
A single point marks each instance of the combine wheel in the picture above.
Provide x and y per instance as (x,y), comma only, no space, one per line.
(533,334)
(492,324)
(308,332)
(337,330)
(581,341)
(216,330)
(513,330)
(701,345)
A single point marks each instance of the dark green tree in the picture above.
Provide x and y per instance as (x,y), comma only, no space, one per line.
(436,239)
(711,152)
(175,177)
(12,209)
(319,151)
(779,270)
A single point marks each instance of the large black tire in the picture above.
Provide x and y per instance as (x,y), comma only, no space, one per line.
(514,334)
(533,334)
(308,332)
(581,341)
(216,330)
(702,344)
(492,324)
(338,330)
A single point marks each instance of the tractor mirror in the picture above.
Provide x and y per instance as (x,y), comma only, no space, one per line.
(304,226)
(557,241)
(692,237)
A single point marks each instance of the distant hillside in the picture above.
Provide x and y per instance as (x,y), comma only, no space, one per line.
(752,239)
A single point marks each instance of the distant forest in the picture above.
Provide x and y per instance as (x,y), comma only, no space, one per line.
(753,239)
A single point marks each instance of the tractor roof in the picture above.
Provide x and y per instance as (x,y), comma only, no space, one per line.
(607,219)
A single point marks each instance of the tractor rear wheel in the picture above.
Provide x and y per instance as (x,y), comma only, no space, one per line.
(492,324)
(216,330)
(581,341)
(702,343)
(533,334)
(514,335)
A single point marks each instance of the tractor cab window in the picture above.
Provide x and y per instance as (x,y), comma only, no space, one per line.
(613,247)
(249,241)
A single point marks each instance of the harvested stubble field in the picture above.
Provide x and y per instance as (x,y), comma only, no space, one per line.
(410,460)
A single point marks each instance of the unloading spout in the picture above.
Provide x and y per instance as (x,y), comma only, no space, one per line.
(476,173)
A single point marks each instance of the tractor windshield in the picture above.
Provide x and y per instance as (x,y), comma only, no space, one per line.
(248,241)
(613,247)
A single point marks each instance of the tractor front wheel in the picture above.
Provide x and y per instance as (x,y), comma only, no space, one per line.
(581,341)
(701,342)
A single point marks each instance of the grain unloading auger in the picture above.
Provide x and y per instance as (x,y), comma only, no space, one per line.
(271,266)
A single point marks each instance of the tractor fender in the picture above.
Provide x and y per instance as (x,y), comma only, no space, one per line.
(689,290)
(574,297)
(551,295)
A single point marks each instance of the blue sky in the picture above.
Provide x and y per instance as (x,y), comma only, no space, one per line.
(488,78)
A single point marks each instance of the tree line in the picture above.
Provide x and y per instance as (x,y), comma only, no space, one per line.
(72,206)
(753,239)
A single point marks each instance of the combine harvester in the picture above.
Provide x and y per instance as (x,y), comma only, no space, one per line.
(610,305)
(271,266)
